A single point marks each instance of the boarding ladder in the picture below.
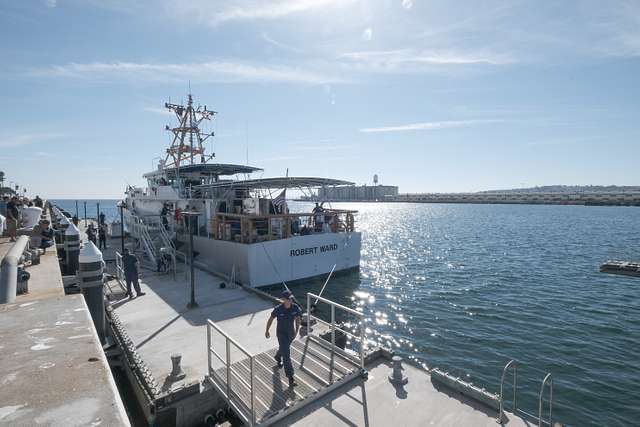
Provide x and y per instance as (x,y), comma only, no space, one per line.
(547,383)
(153,236)
(257,391)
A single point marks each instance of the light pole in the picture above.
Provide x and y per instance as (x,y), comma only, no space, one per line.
(189,217)
(121,207)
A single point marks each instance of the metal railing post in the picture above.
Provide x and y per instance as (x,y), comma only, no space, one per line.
(253,412)
(544,382)
(333,326)
(362,343)
(209,370)
(504,373)
(309,315)
(228,345)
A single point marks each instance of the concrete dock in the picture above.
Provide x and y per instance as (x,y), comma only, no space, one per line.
(159,325)
(53,370)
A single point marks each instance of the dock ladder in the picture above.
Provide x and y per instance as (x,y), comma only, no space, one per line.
(547,382)
(257,391)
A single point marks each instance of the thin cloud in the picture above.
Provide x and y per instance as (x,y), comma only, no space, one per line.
(211,72)
(271,10)
(21,140)
(430,125)
(157,110)
(281,45)
(409,59)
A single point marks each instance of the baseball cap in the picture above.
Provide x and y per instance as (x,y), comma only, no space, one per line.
(287,294)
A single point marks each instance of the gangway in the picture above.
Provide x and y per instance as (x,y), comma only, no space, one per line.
(257,390)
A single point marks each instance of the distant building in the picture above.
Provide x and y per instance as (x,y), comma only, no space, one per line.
(353,193)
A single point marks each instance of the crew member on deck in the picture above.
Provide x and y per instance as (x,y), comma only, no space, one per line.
(288,315)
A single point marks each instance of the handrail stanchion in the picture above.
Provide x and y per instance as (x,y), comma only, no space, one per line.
(515,383)
(309,315)
(362,343)
(333,326)
(544,382)
(228,346)
(253,412)
(209,349)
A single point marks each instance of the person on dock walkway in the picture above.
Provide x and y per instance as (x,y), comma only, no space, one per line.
(130,265)
(46,235)
(288,314)
(13,218)
(102,236)
(91,234)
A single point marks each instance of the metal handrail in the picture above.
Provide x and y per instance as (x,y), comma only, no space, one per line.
(515,382)
(226,361)
(544,382)
(333,306)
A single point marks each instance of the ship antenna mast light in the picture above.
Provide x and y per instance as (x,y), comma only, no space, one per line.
(188,139)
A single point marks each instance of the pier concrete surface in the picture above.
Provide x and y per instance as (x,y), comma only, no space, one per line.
(378,402)
(159,324)
(53,370)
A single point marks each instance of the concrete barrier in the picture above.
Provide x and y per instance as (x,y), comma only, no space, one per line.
(9,271)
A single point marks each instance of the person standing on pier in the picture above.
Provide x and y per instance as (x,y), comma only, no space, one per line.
(130,265)
(13,218)
(91,233)
(102,236)
(288,314)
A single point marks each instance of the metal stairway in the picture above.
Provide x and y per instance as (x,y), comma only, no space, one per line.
(258,391)
(154,238)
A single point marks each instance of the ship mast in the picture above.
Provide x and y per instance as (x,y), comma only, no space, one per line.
(184,151)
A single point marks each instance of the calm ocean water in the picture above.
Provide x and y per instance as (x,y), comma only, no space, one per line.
(468,287)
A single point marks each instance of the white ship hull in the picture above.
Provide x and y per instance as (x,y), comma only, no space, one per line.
(275,261)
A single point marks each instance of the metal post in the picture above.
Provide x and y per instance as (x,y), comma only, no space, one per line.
(192,303)
(98,213)
(253,412)
(333,327)
(209,370)
(362,343)
(85,213)
(540,402)
(228,368)
(121,206)
(76,209)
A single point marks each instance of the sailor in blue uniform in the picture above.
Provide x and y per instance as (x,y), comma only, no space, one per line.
(288,314)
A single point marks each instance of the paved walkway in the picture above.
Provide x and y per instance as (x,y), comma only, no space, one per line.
(53,370)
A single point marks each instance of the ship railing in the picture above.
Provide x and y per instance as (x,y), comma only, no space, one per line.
(547,383)
(230,373)
(250,228)
(357,336)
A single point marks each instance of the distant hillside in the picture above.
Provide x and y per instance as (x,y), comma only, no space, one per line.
(571,189)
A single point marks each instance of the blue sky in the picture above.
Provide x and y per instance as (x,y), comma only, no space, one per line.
(430,95)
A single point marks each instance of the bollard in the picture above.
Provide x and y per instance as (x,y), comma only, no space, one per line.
(91,268)
(396,376)
(9,270)
(176,372)
(60,227)
(71,248)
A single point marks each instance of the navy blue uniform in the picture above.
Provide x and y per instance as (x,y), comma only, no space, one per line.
(129,263)
(285,332)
